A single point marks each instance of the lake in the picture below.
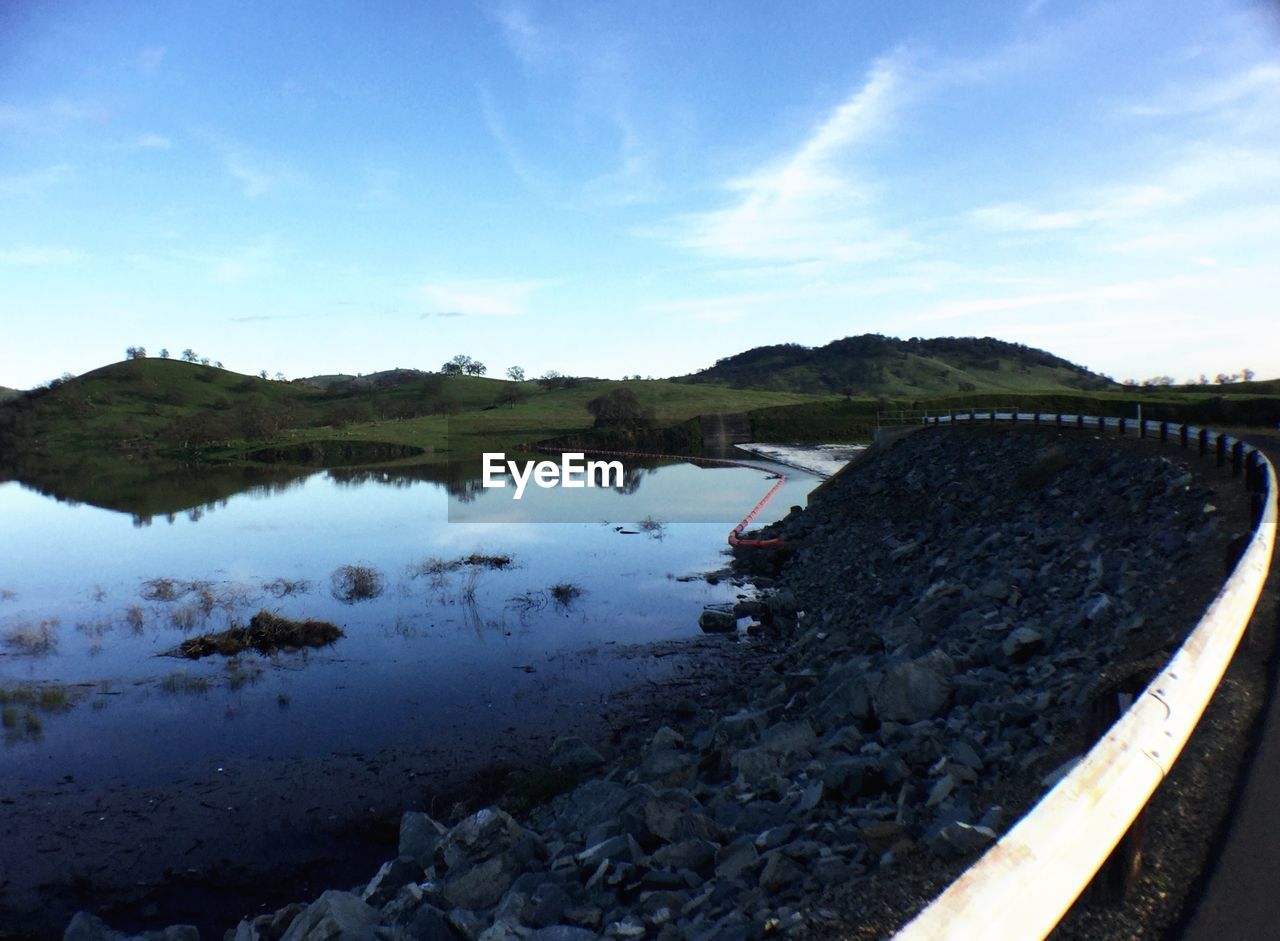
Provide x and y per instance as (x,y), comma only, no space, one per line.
(448,662)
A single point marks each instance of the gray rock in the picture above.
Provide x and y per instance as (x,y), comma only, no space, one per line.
(717,621)
(430,924)
(482,856)
(389,879)
(915,690)
(1022,643)
(87,927)
(570,753)
(956,840)
(419,837)
(696,854)
(787,738)
(736,858)
(335,916)
(779,872)
(563,933)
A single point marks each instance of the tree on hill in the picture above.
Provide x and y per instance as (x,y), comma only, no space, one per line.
(135,352)
(515,373)
(620,408)
(164,352)
(189,355)
(462,365)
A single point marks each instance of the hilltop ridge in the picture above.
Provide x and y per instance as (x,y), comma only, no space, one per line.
(872,364)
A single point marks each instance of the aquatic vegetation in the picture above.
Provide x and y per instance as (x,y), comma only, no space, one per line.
(476,560)
(181,681)
(283,587)
(565,593)
(266,632)
(33,640)
(352,583)
(162,589)
(21,708)
(134,618)
(186,617)
(653,528)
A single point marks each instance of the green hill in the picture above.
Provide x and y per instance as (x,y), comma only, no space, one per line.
(6,393)
(152,408)
(877,365)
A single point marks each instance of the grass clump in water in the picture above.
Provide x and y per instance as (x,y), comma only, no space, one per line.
(565,593)
(183,682)
(266,632)
(352,583)
(33,640)
(476,560)
(654,529)
(283,587)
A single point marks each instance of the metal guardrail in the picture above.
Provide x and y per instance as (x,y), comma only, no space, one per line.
(1023,885)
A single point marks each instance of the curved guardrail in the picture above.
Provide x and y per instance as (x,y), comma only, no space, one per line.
(1023,885)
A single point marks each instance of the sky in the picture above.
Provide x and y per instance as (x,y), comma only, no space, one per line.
(611,189)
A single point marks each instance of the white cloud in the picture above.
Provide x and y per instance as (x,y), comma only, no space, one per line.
(527,40)
(153,142)
(34,183)
(480,297)
(150,59)
(31,256)
(1255,86)
(810,204)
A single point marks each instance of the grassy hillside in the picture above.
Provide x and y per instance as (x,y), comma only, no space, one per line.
(7,393)
(152,408)
(884,366)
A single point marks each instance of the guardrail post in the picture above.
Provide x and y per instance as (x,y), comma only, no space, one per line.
(1204,441)
(1221,449)
(1142,427)
(1120,427)
(1164,431)
(1258,487)
(1080,422)
(1237,458)
(1057,419)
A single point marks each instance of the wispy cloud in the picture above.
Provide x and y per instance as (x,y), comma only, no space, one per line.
(811,203)
(530,42)
(1204,171)
(481,297)
(151,59)
(586,71)
(35,183)
(32,256)
(255,173)
(253,259)
(1255,85)
(441,313)
(153,142)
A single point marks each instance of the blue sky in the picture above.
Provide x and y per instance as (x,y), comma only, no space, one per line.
(610,189)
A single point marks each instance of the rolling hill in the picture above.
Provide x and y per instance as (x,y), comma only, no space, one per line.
(872,364)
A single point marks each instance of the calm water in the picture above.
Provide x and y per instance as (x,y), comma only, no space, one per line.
(81,611)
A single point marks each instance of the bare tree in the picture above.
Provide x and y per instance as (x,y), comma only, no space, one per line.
(189,355)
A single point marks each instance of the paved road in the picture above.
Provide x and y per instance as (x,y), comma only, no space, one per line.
(1241,899)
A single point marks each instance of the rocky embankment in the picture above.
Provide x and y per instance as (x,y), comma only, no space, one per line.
(954,617)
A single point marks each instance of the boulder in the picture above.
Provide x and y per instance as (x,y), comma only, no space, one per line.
(570,753)
(335,916)
(717,621)
(917,689)
(419,837)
